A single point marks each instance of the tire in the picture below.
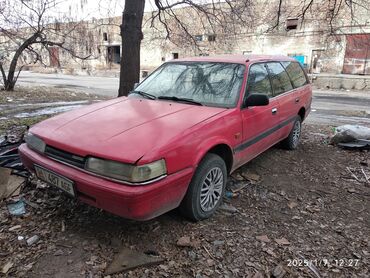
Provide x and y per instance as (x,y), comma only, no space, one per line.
(209,180)
(292,141)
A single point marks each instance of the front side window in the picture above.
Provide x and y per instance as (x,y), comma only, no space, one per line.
(258,80)
(211,84)
(279,78)
(295,73)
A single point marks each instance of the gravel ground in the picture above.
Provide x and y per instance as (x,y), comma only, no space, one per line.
(300,212)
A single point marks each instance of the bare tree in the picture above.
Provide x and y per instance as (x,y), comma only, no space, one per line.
(214,15)
(27,30)
(226,17)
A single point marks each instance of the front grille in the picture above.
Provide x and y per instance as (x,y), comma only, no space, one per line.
(66,157)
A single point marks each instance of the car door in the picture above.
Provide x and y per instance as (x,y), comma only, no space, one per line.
(286,95)
(259,122)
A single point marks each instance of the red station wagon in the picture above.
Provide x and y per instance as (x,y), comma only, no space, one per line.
(175,139)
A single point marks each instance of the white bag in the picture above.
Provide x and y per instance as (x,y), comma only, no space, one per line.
(350,133)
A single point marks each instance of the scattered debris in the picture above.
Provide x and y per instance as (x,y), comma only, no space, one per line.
(6,267)
(311,267)
(359,175)
(129,259)
(282,241)
(228,208)
(10,185)
(278,271)
(32,240)
(63,226)
(16,227)
(9,157)
(253,177)
(184,241)
(263,238)
(292,205)
(235,187)
(17,208)
(229,194)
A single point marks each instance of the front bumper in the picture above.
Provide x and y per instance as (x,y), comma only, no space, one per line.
(142,202)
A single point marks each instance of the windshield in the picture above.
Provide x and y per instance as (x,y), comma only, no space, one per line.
(212,84)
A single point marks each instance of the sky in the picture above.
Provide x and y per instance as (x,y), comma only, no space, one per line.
(87,9)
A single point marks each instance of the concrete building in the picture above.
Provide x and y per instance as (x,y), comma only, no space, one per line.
(325,38)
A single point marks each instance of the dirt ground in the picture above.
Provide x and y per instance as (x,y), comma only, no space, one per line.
(301,212)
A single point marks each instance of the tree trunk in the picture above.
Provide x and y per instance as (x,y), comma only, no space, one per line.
(132,35)
(11,79)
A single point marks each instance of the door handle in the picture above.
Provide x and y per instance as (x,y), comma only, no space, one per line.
(297,100)
(274,111)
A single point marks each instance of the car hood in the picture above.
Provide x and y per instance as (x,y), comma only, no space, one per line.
(123,129)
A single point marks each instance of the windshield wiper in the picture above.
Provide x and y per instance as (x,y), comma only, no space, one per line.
(188,100)
(146,95)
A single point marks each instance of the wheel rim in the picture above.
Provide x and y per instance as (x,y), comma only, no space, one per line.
(296,133)
(211,190)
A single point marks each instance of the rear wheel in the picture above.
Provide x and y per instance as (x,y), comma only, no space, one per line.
(206,189)
(292,141)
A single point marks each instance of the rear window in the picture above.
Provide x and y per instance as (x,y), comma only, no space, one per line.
(295,73)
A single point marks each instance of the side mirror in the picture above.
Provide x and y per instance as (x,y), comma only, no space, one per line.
(135,85)
(256,100)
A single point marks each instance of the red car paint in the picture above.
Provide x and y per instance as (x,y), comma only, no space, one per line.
(140,131)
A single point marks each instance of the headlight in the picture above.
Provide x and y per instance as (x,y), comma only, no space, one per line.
(34,142)
(126,172)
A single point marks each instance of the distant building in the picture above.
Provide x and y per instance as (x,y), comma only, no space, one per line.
(323,40)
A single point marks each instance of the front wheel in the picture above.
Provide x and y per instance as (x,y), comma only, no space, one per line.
(292,141)
(206,188)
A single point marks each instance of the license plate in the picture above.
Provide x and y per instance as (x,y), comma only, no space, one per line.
(55,180)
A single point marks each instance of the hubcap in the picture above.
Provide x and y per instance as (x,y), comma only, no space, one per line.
(296,133)
(211,190)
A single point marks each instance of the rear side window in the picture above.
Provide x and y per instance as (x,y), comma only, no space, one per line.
(279,78)
(295,73)
(258,80)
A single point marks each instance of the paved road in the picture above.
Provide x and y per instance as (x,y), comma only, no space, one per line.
(107,86)
(328,107)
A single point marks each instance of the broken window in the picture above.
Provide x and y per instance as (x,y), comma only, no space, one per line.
(105,36)
(57,26)
(291,23)
(175,55)
(114,54)
(198,38)
(211,38)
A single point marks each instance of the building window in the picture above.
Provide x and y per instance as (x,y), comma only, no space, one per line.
(211,38)
(105,36)
(57,26)
(175,55)
(198,38)
(291,23)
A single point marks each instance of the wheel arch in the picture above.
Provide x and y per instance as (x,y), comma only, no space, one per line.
(224,151)
(302,113)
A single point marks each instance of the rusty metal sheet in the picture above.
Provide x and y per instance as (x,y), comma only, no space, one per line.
(357,55)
